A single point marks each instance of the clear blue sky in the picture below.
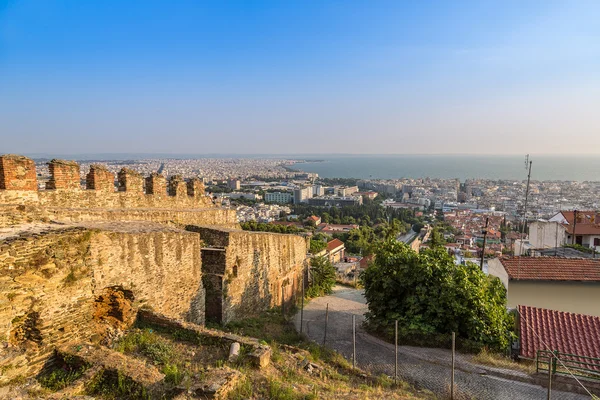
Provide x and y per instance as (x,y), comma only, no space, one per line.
(300,76)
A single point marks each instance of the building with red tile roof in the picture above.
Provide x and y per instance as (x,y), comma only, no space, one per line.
(335,250)
(335,228)
(566,332)
(315,219)
(583,227)
(555,283)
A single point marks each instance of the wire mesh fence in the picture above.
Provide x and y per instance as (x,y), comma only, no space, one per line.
(425,368)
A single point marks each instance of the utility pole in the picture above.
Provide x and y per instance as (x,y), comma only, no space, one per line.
(574,225)
(524,216)
(485,232)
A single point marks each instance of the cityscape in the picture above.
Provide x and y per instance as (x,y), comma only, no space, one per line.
(292,200)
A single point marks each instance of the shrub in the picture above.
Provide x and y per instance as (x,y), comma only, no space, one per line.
(323,277)
(430,295)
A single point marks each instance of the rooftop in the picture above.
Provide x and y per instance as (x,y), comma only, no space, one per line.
(334,244)
(552,268)
(566,332)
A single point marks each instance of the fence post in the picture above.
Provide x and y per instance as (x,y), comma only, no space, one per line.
(326,322)
(353,341)
(550,365)
(452,378)
(396,353)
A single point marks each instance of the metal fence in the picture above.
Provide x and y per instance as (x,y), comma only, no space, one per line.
(570,365)
(443,371)
(343,331)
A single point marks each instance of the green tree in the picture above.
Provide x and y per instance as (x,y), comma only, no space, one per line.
(429,294)
(317,246)
(322,277)
(436,239)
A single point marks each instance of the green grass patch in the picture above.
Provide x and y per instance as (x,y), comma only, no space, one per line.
(68,369)
(113,385)
(148,343)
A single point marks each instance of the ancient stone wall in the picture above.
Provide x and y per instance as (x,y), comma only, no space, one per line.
(74,284)
(18,185)
(17,173)
(246,273)
(64,175)
(22,202)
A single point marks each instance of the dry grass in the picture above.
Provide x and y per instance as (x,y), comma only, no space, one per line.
(285,379)
(499,361)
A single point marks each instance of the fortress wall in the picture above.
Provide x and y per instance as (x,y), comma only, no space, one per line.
(51,283)
(137,199)
(11,215)
(251,273)
(18,185)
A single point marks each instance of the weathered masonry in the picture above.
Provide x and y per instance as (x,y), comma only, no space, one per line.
(77,264)
(245,272)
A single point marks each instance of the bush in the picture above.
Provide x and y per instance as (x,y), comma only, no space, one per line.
(317,246)
(323,277)
(430,295)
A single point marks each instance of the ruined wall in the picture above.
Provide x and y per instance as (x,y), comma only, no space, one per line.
(137,199)
(249,269)
(20,214)
(59,286)
(18,175)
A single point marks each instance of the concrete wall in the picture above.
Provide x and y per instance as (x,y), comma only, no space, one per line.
(575,297)
(247,271)
(544,234)
(495,268)
(50,283)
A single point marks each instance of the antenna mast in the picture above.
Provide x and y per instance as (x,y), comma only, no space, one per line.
(524,212)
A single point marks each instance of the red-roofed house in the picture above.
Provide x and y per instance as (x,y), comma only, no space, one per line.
(566,332)
(555,283)
(335,250)
(584,225)
(315,219)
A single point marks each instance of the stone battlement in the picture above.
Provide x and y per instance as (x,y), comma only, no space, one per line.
(18,175)
(153,198)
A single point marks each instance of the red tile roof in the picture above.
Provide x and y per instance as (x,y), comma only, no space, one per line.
(588,222)
(552,268)
(566,332)
(334,244)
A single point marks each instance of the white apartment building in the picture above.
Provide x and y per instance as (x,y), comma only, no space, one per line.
(279,197)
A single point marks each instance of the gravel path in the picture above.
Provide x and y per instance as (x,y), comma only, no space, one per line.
(423,367)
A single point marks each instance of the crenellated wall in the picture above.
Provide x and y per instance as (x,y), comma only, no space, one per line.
(52,282)
(76,264)
(248,272)
(136,199)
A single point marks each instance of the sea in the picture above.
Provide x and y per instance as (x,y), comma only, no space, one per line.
(506,167)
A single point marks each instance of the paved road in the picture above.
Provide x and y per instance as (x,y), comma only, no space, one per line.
(423,367)
(407,237)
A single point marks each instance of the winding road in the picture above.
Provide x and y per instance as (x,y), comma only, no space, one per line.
(425,368)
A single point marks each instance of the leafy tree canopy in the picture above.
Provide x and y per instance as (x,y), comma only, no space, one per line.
(322,277)
(429,294)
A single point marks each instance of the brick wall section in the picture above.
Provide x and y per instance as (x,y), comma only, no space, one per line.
(177,186)
(195,187)
(130,181)
(17,173)
(64,175)
(58,274)
(100,178)
(250,276)
(156,184)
